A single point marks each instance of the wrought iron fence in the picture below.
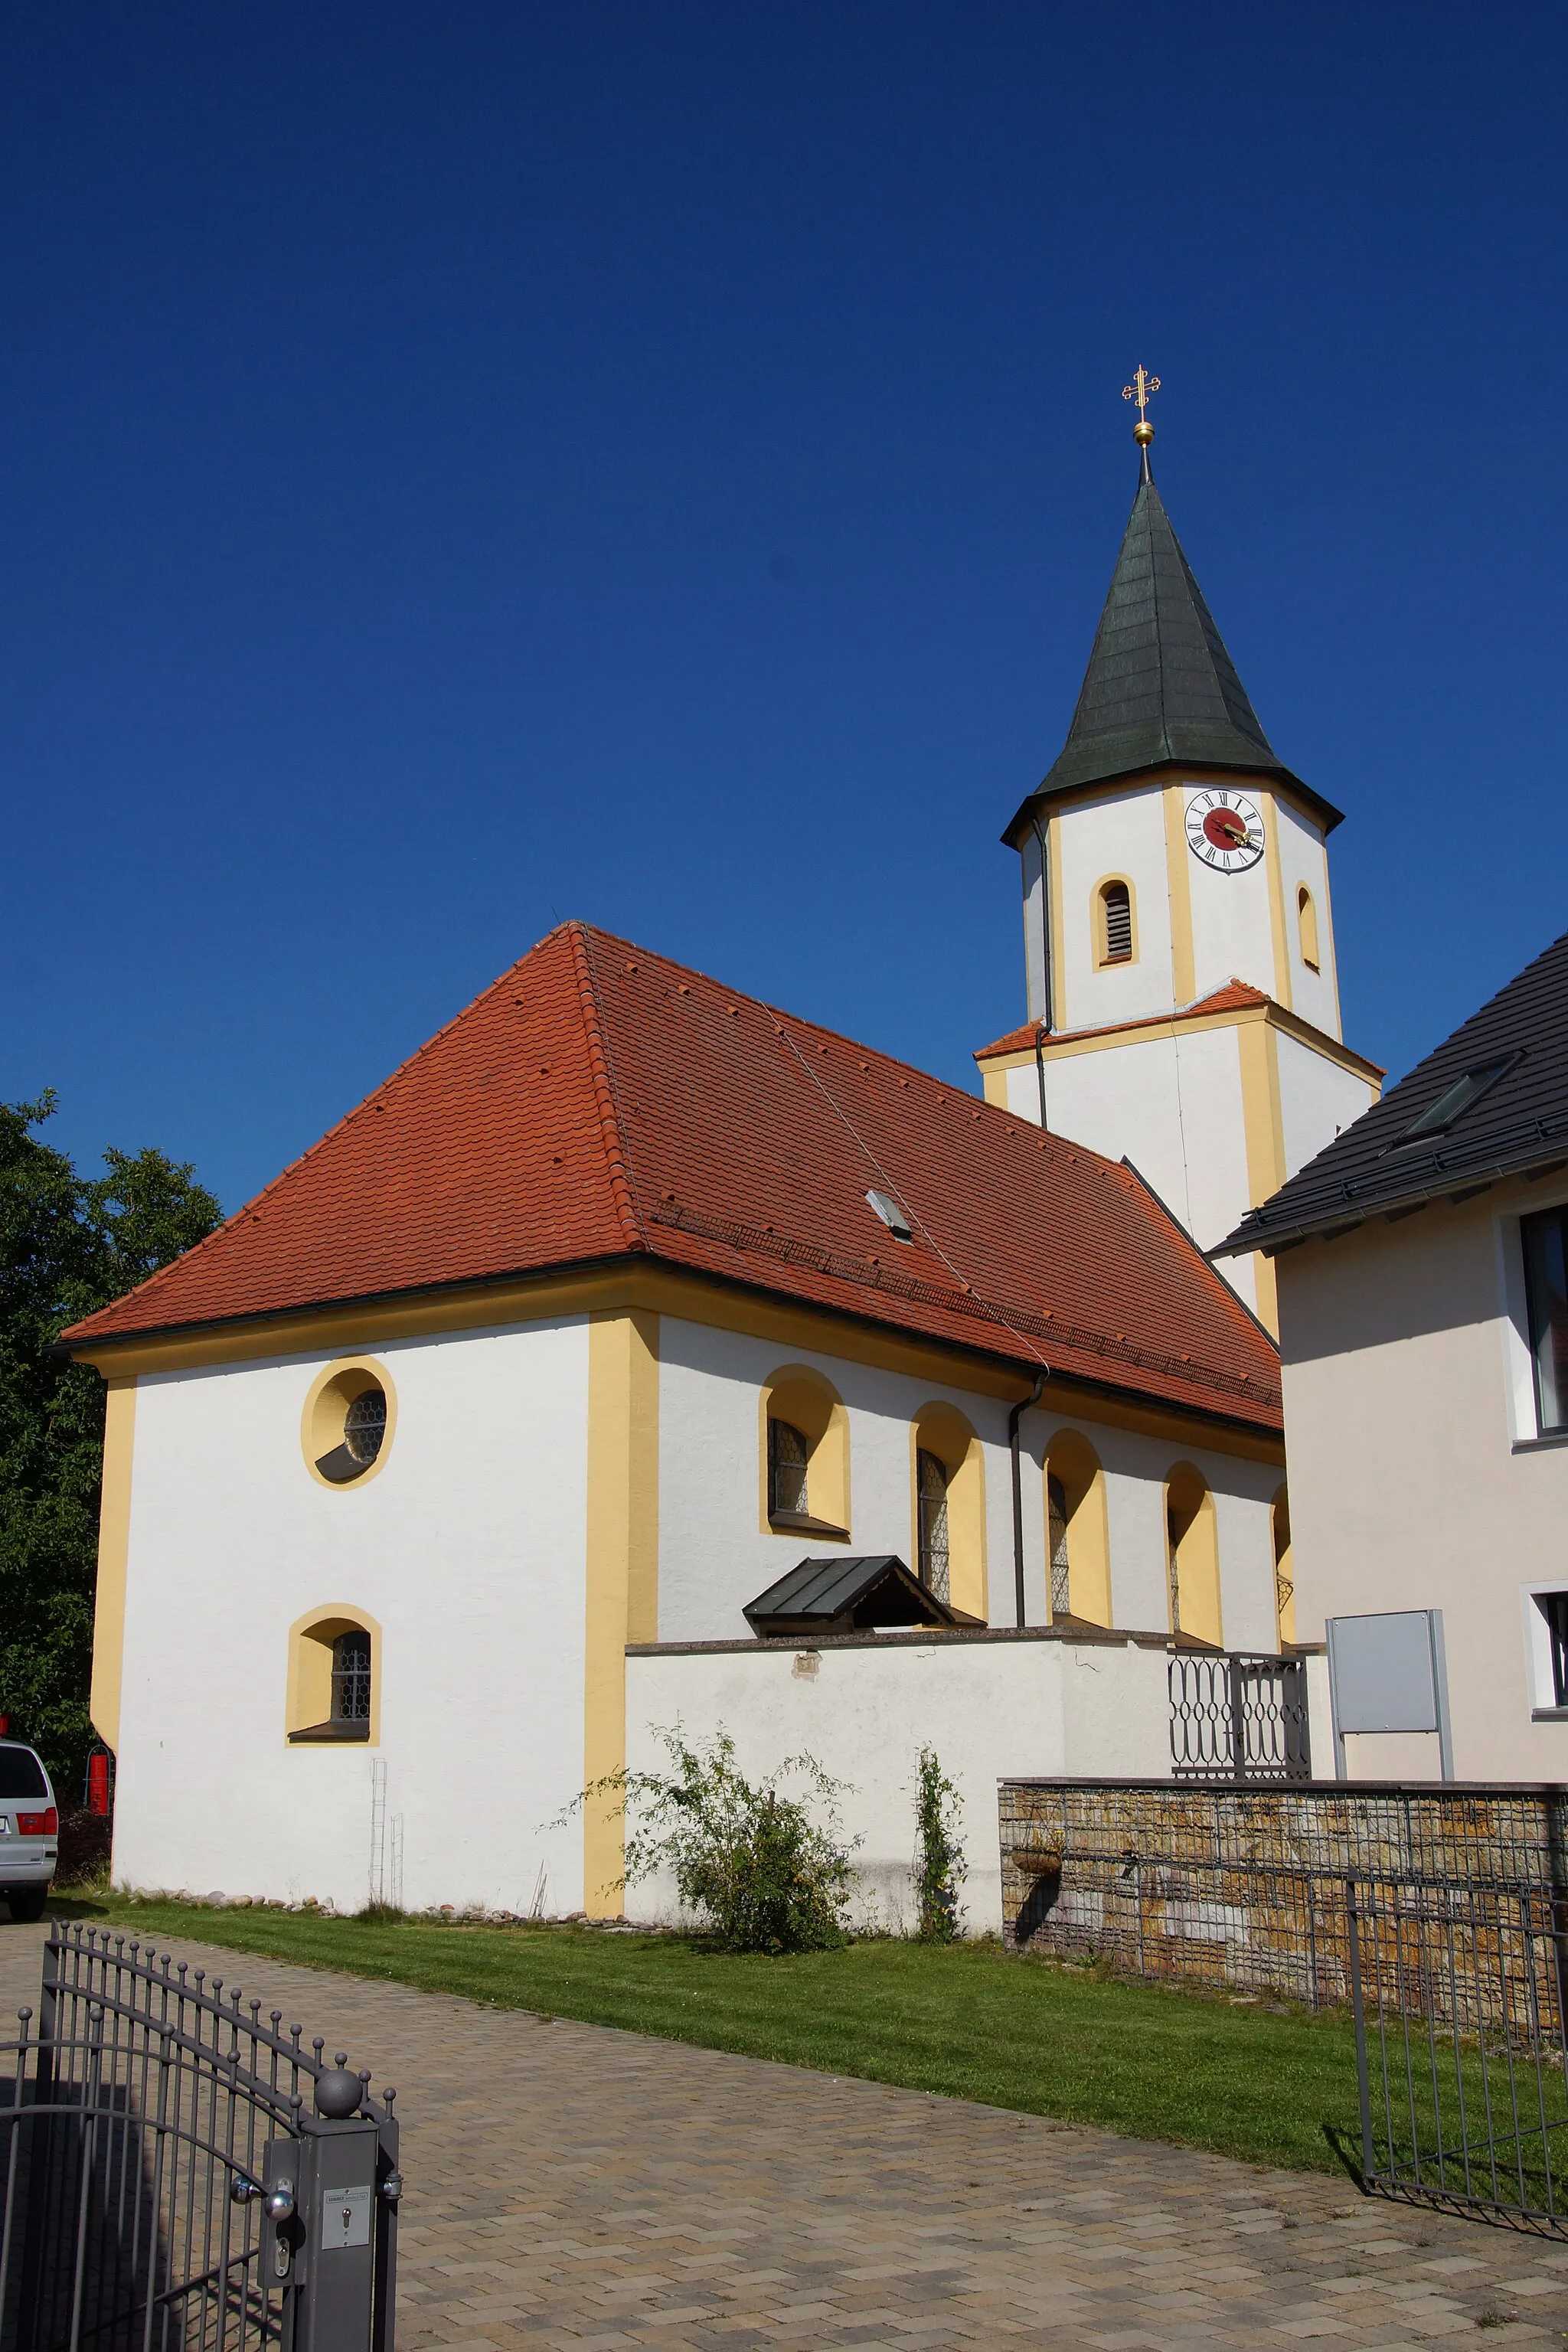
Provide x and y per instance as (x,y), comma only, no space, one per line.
(1461,2051)
(165,2187)
(1238,1717)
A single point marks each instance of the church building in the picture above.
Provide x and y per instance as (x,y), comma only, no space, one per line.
(639,1353)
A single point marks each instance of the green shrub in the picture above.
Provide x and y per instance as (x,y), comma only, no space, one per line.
(939,1866)
(748,1859)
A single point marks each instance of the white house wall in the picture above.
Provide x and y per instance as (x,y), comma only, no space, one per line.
(988,1709)
(466,1548)
(1406,1386)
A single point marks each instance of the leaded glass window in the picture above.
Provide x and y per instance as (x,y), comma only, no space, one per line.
(1061,1580)
(788,1459)
(930,1484)
(351,1677)
(364,1426)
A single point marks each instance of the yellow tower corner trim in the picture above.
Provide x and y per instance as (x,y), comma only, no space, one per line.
(113,1559)
(621,1601)
(1184,959)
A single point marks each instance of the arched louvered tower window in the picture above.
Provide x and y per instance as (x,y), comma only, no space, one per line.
(1307,923)
(1115,923)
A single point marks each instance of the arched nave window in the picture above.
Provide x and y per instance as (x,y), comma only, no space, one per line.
(1077,1530)
(805,1445)
(1284,1577)
(948,1474)
(1191,1555)
(335,1673)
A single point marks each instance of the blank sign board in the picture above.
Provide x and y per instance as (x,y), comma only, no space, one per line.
(1386,1673)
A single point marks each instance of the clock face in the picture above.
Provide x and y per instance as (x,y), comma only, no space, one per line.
(1225,829)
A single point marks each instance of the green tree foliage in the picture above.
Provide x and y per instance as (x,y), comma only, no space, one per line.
(68,1244)
(939,1866)
(748,1859)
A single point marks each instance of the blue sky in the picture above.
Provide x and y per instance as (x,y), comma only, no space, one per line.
(462,466)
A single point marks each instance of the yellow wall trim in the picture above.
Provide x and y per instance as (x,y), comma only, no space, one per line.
(621,1601)
(1184,960)
(797,1329)
(1187,1025)
(113,1556)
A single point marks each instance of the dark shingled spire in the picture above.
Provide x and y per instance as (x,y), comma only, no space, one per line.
(1161,690)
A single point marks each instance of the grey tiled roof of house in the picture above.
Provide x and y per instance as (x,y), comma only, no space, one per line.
(1519,1124)
(1160,690)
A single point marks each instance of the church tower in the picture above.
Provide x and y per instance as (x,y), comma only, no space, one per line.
(1179,948)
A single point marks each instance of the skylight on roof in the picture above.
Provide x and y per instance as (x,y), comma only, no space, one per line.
(892,1216)
(1456,1099)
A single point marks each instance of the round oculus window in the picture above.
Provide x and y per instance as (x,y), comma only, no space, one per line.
(347,1426)
(364,1426)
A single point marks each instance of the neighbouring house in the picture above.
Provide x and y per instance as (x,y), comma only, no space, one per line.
(1422,1268)
(453,1463)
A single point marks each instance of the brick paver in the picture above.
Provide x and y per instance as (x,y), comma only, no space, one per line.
(573,2186)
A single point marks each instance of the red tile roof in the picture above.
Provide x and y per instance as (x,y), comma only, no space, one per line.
(599,1102)
(1236,996)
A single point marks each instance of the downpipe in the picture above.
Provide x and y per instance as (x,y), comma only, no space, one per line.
(1015,1416)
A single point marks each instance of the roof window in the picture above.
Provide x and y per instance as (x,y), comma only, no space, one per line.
(1456,1099)
(892,1216)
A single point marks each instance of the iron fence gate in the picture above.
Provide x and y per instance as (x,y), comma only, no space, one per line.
(165,2189)
(1459,1992)
(1238,1717)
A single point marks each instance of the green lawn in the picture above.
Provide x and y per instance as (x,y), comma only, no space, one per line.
(969,2021)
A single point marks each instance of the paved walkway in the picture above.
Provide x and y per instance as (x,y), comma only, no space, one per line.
(579,2190)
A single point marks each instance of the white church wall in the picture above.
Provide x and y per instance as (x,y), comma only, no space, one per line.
(1304,860)
(1123,834)
(466,1548)
(1170,1105)
(1232,926)
(1316,1097)
(989,1709)
(715,1555)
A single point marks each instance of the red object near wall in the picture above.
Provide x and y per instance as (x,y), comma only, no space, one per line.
(97,1783)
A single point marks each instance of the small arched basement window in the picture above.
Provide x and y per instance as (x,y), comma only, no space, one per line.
(334,1668)
(1115,923)
(1307,924)
(935,1555)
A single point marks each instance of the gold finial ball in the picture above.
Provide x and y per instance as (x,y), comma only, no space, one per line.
(1142,433)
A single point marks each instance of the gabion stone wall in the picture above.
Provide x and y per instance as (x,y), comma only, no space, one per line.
(1247,1887)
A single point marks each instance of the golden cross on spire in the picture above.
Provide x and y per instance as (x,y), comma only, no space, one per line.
(1141,385)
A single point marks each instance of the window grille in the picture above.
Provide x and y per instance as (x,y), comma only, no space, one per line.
(1117,902)
(930,1482)
(788,1457)
(1061,1579)
(351,1677)
(364,1425)
(1174,1569)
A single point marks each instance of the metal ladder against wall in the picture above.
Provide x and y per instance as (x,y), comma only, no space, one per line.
(165,2184)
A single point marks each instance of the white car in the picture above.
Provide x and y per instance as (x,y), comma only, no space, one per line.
(29,1831)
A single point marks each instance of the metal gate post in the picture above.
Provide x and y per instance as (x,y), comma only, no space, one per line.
(336,2200)
(1363,2085)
